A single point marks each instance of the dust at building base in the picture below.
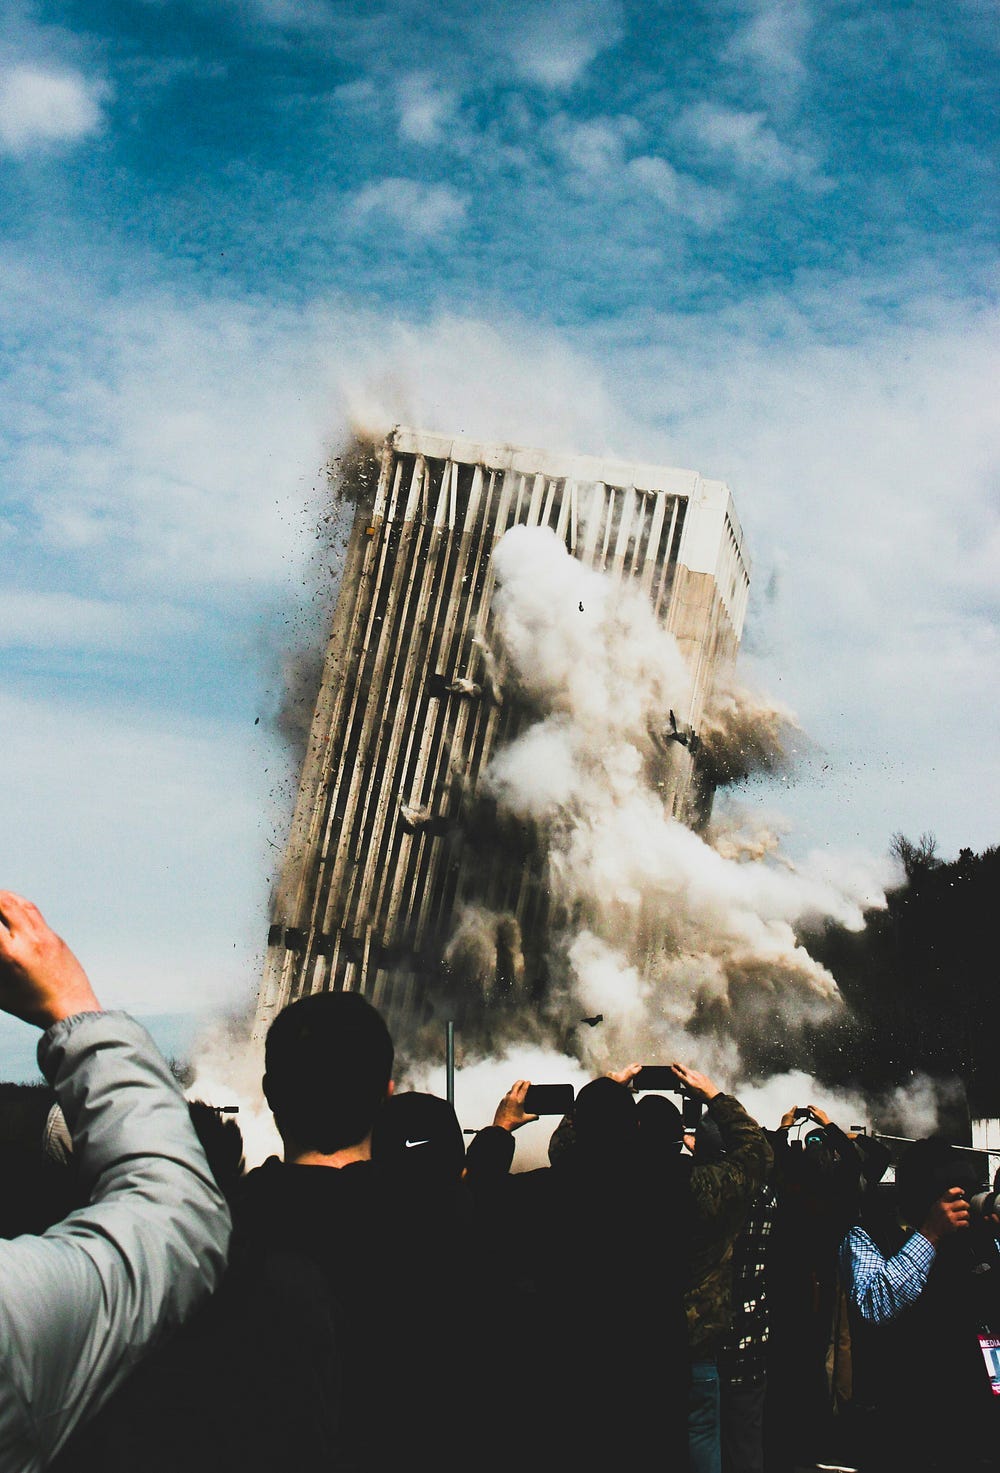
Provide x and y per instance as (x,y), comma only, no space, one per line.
(396,840)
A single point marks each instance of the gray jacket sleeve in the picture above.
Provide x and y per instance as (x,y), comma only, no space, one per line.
(81,1304)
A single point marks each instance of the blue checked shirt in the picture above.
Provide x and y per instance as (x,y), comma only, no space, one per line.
(881,1288)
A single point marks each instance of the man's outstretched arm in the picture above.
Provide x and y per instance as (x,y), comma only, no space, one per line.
(880,1288)
(80,1305)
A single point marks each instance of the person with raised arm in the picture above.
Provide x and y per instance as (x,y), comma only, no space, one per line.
(83,1302)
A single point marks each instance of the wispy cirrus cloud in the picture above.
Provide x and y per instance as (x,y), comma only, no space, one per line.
(42,106)
(144,448)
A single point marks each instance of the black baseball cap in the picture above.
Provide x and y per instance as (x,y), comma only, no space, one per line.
(419,1134)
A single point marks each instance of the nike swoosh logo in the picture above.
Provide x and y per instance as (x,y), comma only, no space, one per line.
(418,1143)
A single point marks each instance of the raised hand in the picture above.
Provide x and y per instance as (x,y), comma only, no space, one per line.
(510,1113)
(948,1214)
(41,980)
(624,1076)
(696,1084)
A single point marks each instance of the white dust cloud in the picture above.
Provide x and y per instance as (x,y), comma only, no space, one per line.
(663,925)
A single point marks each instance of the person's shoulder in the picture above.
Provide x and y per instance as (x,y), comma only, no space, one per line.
(277,1191)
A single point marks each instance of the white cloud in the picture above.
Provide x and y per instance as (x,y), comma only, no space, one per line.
(773,38)
(42,106)
(517,382)
(361,93)
(47,620)
(424,109)
(292,15)
(149,447)
(422,211)
(748,139)
(680,194)
(552,45)
(595,146)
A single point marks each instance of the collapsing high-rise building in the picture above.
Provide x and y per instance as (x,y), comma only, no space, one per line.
(392,834)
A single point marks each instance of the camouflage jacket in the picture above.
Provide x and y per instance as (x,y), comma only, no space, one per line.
(721,1194)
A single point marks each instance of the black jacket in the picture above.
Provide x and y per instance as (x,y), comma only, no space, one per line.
(595,1257)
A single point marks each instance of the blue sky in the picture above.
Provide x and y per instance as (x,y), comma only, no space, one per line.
(756,238)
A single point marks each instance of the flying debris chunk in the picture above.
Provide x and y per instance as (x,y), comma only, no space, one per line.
(415,818)
(593,1022)
(684,735)
(463,686)
(422,819)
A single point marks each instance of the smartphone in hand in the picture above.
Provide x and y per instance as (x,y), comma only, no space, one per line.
(549,1099)
(657,1076)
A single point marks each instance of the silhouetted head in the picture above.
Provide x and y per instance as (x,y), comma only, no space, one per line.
(661,1125)
(38,1186)
(604,1120)
(875,1158)
(328,1065)
(928,1169)
(418,1136)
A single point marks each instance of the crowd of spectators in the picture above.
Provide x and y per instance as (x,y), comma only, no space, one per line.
(709,1297)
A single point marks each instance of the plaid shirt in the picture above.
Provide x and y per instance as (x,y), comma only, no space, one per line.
(880,1288)
(742,1358)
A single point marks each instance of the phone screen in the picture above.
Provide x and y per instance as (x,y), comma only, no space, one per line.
(657,1076)
(549,1099)
(990,1347)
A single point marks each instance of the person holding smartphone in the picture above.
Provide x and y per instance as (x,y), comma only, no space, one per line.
(695,1212)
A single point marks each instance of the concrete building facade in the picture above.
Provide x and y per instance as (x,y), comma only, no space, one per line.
(390,836)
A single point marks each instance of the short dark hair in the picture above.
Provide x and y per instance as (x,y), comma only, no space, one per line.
(604,1118)
(327,1062)
(661,1124)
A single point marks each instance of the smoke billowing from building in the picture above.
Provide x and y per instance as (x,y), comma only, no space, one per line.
(741,734)
(661,929)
